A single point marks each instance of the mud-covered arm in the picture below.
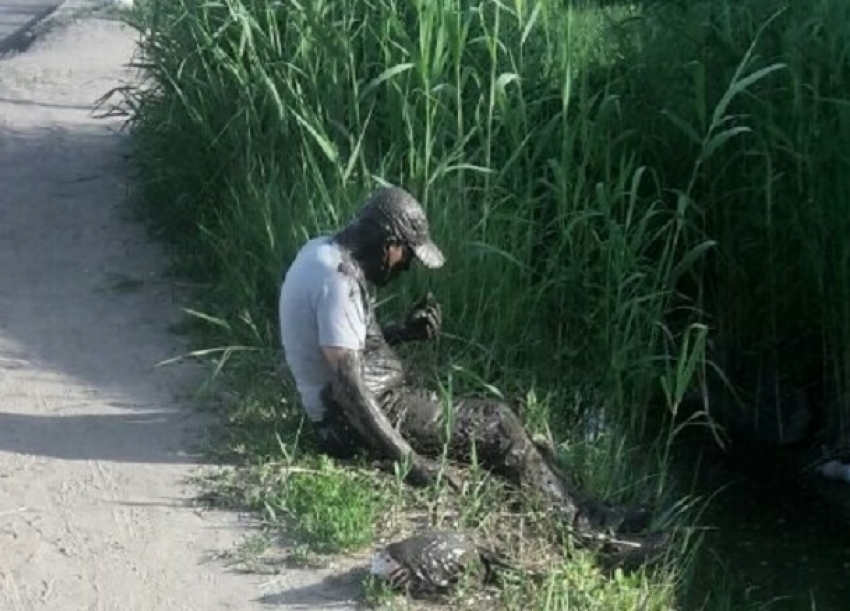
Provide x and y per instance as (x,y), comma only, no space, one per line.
(396,333)
(423,322)
(362,411)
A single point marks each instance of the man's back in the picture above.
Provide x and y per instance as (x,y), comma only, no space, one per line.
(320,306)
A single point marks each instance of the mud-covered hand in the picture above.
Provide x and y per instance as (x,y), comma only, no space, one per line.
(425,319)
(423,322)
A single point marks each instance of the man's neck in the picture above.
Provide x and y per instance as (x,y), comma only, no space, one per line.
(351,265)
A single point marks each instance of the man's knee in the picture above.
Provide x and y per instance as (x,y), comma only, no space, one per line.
(493,429)
(501,416)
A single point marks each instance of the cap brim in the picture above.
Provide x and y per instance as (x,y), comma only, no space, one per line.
(429,255)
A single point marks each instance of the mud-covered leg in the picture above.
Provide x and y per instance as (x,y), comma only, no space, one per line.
(500,440)
(504,446)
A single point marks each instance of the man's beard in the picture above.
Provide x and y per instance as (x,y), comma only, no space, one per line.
(380,274)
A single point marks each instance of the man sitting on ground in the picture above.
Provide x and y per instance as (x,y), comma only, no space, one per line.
(354,386)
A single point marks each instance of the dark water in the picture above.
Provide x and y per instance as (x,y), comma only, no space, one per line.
(778,540)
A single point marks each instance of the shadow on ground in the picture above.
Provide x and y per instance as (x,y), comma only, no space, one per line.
(333,591)
(84,305)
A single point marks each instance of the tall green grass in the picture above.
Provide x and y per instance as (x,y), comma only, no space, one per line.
(774,196)
(618,187)
(491,114)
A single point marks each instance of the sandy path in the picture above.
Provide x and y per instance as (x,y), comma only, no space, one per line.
(94,440)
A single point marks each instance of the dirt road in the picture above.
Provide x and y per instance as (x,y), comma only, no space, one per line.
(95,441)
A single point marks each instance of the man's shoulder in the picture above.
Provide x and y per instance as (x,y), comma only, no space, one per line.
(319,253)
(348,269)
(327,262)
(336,258)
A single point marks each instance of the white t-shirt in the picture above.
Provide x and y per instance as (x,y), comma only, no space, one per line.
(320,306)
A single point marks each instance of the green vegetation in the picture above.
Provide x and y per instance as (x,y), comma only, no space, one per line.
(624,191)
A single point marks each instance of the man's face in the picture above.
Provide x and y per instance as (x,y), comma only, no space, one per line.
(398,258)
